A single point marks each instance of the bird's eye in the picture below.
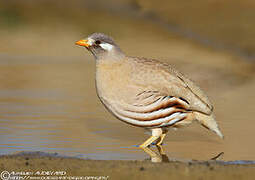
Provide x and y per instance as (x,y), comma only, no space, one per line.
(98,42)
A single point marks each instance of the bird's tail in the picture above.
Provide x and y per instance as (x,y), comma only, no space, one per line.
(209,122)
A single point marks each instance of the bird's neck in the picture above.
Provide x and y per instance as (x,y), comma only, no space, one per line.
(113,55)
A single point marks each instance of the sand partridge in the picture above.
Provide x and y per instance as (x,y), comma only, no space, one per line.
(145,92)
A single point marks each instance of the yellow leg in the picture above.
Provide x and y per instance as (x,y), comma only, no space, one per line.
(156,133)
(153,155)
(161,139)
(161,150)
(149,141)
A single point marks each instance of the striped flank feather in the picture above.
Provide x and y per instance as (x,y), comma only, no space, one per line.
(164,111)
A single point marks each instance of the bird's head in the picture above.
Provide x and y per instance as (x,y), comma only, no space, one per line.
(101,46)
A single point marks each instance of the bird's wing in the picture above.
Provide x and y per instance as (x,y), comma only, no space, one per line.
(165,79)
(197,99)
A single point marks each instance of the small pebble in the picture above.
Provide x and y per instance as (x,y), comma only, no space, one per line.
(142,169)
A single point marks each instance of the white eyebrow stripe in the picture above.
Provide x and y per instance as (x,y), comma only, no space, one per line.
(106,46)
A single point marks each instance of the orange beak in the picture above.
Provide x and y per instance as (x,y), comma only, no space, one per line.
(82,43)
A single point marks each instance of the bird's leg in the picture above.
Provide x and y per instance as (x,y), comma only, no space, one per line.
(160,150)
(149,141)
(156,133)
(161,139)
(153,155)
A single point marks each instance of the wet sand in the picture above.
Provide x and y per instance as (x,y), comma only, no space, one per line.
(125,170)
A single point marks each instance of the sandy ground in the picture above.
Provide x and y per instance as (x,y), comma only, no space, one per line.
(125,170)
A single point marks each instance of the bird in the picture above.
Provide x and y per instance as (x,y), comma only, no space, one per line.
(145,92)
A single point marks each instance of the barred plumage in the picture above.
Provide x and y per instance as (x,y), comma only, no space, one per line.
(162,112)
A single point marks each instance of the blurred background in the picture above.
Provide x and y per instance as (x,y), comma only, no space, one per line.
(48,99)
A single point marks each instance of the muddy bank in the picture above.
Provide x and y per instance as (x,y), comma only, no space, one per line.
(43,164)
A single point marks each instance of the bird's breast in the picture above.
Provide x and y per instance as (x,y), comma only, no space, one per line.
(113,81)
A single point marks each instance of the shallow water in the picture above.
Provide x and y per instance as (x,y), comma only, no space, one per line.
(51,106)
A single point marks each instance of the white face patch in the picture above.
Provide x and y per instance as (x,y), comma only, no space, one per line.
(90,41)
(106,46)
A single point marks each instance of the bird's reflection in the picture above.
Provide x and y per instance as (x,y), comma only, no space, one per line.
(159,155)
